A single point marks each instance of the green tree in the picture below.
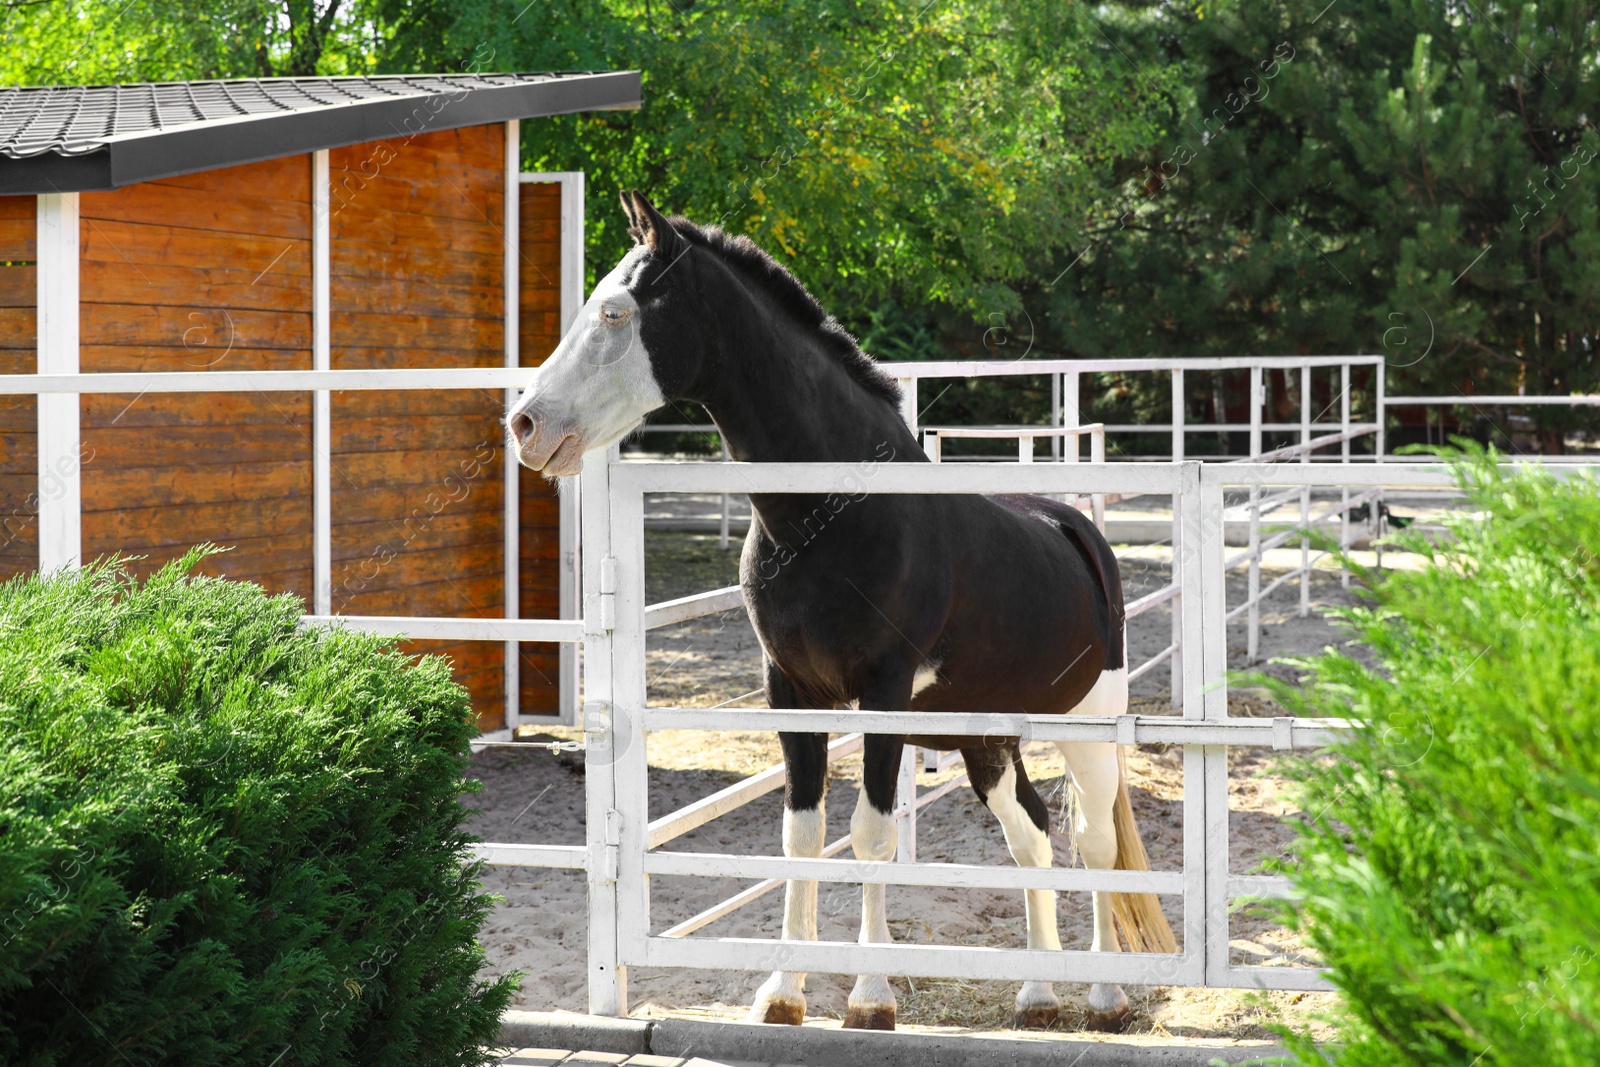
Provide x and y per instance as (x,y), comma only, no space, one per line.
(1412,178)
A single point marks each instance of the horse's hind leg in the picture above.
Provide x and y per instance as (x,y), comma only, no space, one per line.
(1001,782)
(872,834)
(782,999)
(1094,786)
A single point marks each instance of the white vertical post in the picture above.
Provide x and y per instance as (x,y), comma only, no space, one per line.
(1379,447)
(908,402)
(906,793)
(629,765)
(608,993)
(511,288)
(321,399)
(60,488)
(1344,457)
(930,445)
(1206,680)
(1177,415)
(1055,414)
(1072,415)
(1305,493)
(722,531)
(1097,454)
(1178,545)
(572,281)
(1258,401)
(1024,450)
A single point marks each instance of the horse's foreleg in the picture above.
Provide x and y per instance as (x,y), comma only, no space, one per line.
(782,999)
(1094,786)
(872,834)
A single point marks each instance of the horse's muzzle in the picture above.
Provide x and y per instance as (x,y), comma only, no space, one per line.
(549,445)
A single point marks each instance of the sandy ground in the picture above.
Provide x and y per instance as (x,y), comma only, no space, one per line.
(535,797)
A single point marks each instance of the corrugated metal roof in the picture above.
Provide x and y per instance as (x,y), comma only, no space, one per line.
(72,120)
(201,124)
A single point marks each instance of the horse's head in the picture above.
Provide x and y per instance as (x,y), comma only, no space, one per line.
(633,346)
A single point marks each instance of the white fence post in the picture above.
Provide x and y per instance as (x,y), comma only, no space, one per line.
(1097,454)
(629,766)
(1305,493)
(1055,414)
(1177,543)
(1344,457)
(906,794)
(1258,401)
(722,525)
(321,399)
(608,982)
(908,402)
(60,487)
(1380,446)
(511,288)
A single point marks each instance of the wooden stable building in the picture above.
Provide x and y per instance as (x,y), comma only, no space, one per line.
(295,224)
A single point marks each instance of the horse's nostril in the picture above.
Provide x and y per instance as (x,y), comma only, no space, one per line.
(521,427)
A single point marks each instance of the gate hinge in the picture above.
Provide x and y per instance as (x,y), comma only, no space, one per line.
(600,611)
(604,857)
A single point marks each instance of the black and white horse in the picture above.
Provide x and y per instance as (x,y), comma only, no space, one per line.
(888,602)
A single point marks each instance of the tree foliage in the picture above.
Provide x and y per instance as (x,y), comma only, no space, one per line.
(978,178)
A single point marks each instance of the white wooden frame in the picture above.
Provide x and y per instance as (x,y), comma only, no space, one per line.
(573,287)
(60,493)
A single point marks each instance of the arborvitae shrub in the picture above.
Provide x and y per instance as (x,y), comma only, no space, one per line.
(1451,873)
(225,840)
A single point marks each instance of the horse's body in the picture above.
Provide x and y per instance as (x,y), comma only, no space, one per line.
(934,603)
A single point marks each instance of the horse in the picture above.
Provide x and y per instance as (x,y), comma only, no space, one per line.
(885,602)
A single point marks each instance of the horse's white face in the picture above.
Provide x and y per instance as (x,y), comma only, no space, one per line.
(597,386)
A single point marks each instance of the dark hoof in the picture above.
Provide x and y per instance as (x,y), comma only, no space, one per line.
(781,1012)
(1040,1018)
(1108,1022)
(870,1017)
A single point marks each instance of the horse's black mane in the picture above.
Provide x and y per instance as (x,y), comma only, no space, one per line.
(743,254)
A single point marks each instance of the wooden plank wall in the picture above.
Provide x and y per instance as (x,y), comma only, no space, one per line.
(417,281)
(539,320)
(208,271)
(213,271)
(19,422)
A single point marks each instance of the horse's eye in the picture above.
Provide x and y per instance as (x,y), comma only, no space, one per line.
(613,314)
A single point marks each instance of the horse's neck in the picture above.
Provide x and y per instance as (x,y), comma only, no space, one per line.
(789,401)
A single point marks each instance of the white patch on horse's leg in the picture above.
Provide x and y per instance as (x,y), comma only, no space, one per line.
(1094,785)
(927,674)
(1037,1003)
(782,998)
(873,836)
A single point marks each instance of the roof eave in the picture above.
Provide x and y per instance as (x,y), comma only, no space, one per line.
(208,146)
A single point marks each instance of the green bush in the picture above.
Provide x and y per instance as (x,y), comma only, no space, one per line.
(224,840)
(1451,872)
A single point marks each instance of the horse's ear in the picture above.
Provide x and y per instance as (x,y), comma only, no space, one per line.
(650,227)
(633,216)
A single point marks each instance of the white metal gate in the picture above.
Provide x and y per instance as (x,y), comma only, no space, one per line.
(621,853)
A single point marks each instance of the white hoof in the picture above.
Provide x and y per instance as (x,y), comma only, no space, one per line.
(1037,1006)
(1108,1008)
(780,1000)
(872,1004)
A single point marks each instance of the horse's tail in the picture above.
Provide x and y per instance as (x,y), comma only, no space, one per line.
(1138,915)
